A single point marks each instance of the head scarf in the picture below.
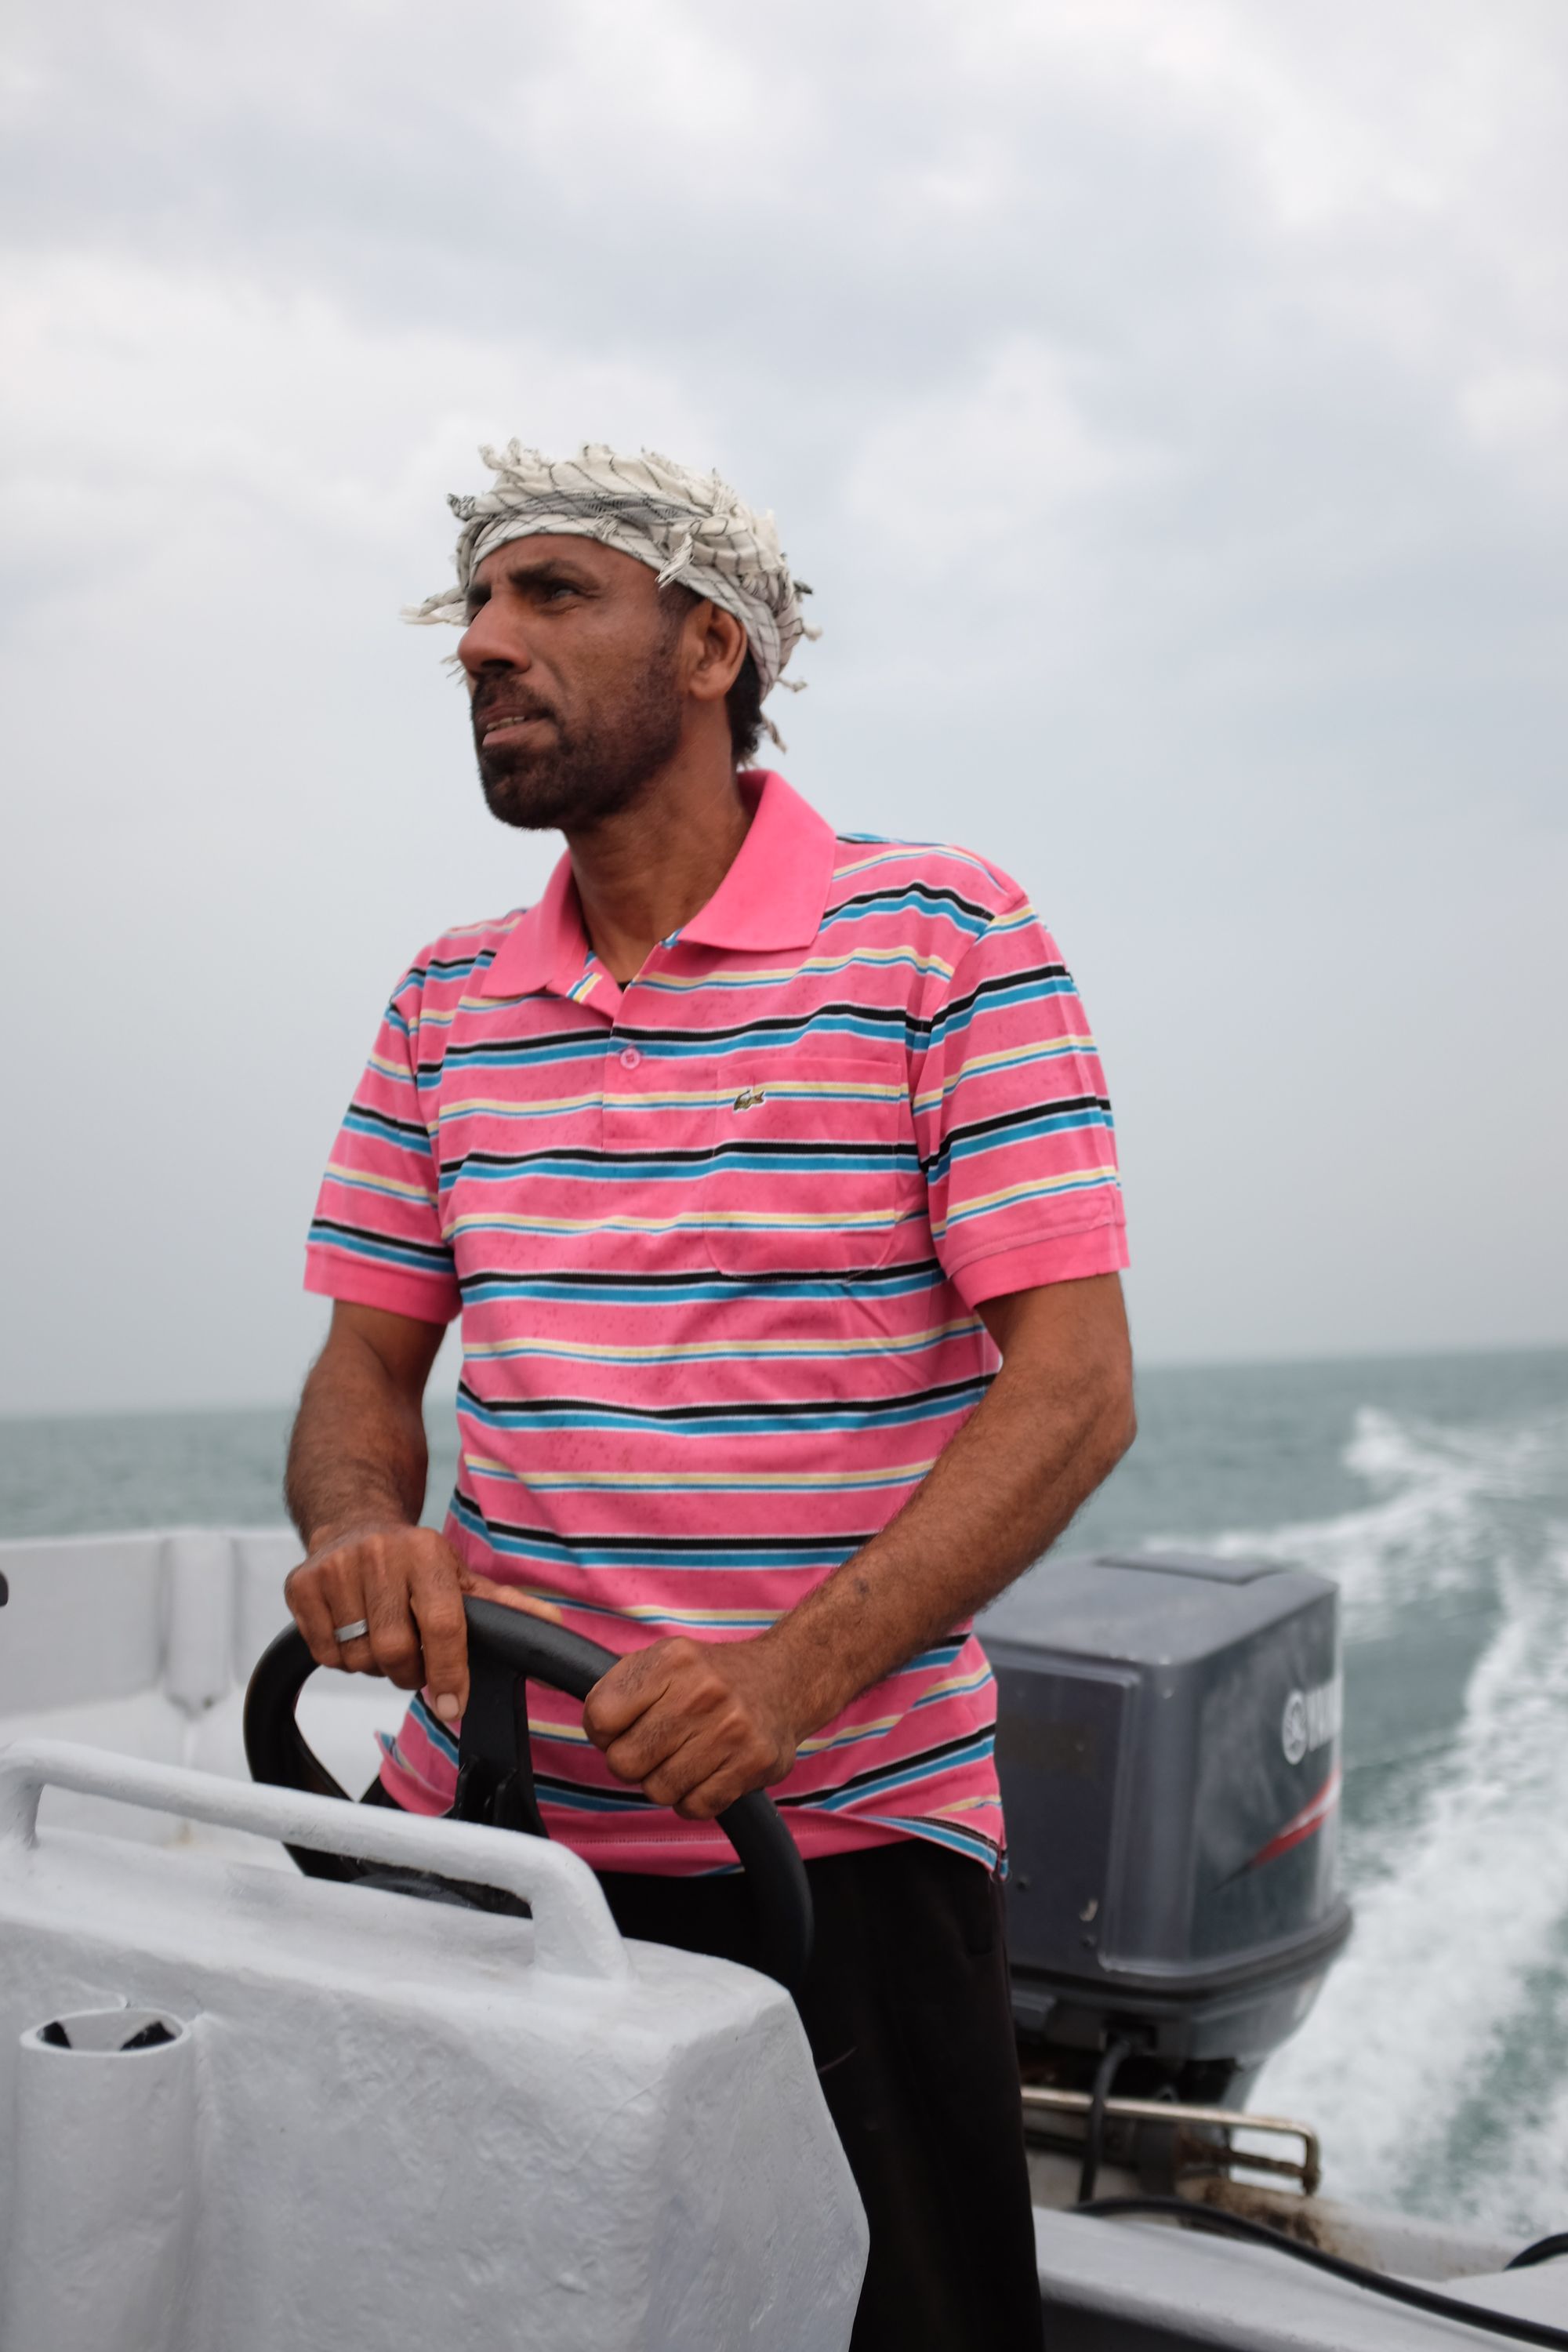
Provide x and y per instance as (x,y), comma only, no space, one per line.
(689,528)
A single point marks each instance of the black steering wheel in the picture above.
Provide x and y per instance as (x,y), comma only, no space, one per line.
(495,1780)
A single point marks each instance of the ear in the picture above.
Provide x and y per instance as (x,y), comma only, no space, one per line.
(714,645)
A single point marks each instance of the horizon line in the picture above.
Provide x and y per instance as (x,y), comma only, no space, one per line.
(443,1397)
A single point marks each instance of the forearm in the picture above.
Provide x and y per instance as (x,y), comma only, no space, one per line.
(699,1723)
(358,1455)
(378,1593)
(1051,1427)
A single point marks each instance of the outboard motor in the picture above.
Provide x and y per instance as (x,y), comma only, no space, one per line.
(1168,1743)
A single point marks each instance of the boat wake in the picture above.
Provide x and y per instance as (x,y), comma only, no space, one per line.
(1437,2061)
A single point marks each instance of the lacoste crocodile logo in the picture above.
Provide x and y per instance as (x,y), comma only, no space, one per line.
(750,1097)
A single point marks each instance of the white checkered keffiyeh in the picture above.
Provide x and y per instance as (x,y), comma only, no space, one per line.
(690,528)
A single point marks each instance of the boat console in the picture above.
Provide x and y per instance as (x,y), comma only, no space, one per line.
(242,2107)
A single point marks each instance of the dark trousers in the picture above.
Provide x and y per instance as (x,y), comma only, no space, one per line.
(907,2012)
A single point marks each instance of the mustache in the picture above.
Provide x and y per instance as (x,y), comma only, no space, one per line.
(507,698)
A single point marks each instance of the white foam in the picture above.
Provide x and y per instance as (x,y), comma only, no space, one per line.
(1409,2026)
(1410,2066)
(1431,1529)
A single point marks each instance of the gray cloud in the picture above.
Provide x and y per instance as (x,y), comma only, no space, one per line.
(1168,405)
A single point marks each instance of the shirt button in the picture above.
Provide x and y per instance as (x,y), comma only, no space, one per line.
(630,1058)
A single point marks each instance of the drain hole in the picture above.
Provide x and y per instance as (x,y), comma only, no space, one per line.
(147,2037)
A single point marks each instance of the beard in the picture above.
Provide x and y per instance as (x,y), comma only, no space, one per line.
(579,775)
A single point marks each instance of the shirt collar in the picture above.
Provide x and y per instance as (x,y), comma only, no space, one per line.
(546,947)
(773,897)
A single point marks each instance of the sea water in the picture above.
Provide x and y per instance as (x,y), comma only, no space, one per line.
(1435,1492)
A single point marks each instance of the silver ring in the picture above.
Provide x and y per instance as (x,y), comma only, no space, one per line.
(351,1633)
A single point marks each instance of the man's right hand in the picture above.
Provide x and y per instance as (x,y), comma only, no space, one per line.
(407,1584)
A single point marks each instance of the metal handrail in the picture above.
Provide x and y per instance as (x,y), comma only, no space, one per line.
(1310,2170)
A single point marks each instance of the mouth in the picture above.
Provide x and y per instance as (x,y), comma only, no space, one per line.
(497,723)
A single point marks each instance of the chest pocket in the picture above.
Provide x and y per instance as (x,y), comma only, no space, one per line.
(813,1168)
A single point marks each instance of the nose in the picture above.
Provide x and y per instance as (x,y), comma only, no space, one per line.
(493,635)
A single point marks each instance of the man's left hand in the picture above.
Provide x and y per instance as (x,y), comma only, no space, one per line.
(696,1724)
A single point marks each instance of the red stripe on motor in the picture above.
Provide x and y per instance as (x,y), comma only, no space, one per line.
(1303,1824)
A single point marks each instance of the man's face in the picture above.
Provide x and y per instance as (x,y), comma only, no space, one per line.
(573,667)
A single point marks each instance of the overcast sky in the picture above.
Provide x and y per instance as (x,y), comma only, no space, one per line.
(1167,400)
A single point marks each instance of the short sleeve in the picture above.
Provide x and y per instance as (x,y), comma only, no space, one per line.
(375,1239)
(1013,1121)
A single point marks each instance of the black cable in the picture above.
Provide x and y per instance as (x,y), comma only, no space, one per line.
(1447,2306)
(1545,2250)
(1094,2121)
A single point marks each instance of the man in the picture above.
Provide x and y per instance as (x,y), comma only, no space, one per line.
(742,1154)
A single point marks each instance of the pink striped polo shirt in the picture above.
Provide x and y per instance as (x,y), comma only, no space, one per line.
(718,1238)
